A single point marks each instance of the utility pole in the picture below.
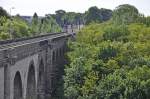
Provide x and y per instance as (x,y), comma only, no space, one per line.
(10,26)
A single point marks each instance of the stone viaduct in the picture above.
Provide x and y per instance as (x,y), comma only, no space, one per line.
(30,67)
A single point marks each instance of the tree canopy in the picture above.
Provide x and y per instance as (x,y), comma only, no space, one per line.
(97,15)
(125,14)
(110,60)
(3,13)
(12,27)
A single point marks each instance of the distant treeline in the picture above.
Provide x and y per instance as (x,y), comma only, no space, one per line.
(16,26)
(92,15)
(12,27)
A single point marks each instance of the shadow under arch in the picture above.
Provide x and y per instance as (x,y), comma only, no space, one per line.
(17,86)
(31,83)
(41,81)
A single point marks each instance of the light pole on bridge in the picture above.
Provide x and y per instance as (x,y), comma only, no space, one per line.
(10,26)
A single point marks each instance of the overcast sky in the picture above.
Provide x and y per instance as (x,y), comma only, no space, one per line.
(42,7)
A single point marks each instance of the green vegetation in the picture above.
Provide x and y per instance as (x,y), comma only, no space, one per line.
(110,60)
(65,18)
(97,15)
(125,14)
(92,15)
(12,27)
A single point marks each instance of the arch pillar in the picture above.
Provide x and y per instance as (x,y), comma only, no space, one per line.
(41,81)
(18,94)
(6,82)
(31,83)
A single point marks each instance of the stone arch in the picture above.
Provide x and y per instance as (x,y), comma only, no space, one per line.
(18,86)
(41,81)
(31,83)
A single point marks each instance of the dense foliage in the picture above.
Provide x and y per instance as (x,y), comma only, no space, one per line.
(12,27)
(97,15)
(3,12)
(125,14)
(93,14)
(66,18)
(44,25)
(110,60)
(17,27)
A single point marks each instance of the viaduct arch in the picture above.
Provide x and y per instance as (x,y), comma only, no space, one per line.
(18,86)
(41,81)
(30,68)
(31,83)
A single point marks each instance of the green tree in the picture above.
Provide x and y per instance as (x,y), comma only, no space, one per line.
(115,62)
(124,14)
(48,24)
(60,17)
(93,15)
(97,15)
(125,84)
(35,24)
(4,36)
(14,28)
(116,33)
(3,13)
(74,78)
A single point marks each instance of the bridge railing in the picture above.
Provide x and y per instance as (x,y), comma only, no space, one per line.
(28,38)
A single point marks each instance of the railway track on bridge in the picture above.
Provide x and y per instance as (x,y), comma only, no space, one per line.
(22,41)
(35,61)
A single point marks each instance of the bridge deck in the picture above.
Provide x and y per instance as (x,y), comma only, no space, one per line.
(23,41)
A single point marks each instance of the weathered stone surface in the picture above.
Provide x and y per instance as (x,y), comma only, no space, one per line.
(29,68)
